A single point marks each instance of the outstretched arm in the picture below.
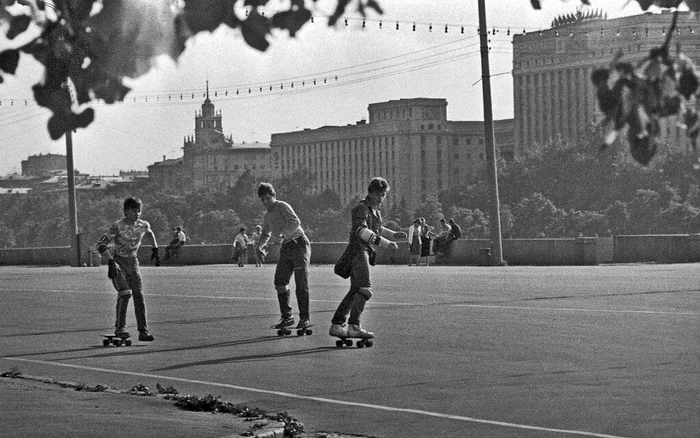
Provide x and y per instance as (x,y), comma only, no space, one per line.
(390,234)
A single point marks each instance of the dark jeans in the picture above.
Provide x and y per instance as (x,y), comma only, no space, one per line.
(130,269)
(353,303)
(295,257)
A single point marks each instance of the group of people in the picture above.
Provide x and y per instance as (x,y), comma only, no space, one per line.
(240,247)
(121,243)
(424,242)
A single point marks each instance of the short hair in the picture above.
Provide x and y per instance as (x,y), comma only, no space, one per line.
(178,228)
(378,184)
(258,227)
(442,219)
(452,220)
(132,202)
(242,229)
(265,188)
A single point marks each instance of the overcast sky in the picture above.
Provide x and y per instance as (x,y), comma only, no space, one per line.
(371,65)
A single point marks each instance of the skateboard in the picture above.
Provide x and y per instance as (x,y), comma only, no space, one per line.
(288,330)
(346,341)
(116,340)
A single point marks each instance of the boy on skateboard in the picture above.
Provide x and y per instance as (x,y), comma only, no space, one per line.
(295,255)
(124,236)
(366,230)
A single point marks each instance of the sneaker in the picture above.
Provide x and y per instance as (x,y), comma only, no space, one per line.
(355,331)
(304,323)
(338,330)
(122,333)
(145,336)
(285,322)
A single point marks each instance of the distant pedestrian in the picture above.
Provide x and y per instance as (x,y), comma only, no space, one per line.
(295,255)
(260,252)
(426,241)
(240,247)
(443,234)
(414,242)
(366,231)
(455,233)
(124,237)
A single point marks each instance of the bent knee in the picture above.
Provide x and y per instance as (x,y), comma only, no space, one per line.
(124,293)
(366,292)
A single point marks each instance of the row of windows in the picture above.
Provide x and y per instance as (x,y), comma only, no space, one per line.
(342,166)
(611,51)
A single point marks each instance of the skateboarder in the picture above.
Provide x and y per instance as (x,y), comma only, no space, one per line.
(295,255)
(124,237)
(366,231)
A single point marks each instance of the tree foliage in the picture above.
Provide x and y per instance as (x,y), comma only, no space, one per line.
(93,45)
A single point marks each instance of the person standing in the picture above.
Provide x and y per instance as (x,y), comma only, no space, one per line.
(240,247)
(260,252)
(124,237)
(442,236)
(294,258)
(426,241)
(455,233)
(366,231)
(414,242)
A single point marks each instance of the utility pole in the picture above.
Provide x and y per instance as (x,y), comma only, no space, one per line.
(495,213)
(72,209)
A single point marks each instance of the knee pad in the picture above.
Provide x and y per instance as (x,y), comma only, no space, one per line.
(124,293)
(366,292)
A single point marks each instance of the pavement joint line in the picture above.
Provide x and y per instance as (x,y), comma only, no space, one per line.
(324,400)
(570,309)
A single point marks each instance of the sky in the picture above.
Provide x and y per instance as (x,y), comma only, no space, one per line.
(372,64)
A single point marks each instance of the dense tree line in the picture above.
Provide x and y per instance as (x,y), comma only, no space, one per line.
(557,190)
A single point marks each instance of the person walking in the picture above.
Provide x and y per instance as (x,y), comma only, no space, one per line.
(366,231)
(294,258)
(124,238)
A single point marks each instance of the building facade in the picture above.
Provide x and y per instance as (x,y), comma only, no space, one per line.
(553,93)
(211,159)
(410,142)
(43,165)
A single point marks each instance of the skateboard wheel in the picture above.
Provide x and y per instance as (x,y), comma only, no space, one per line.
(280,332)
(287,332)
(300,333)
(118,343)
(360,344)
(309,332)
(369,343)
(127,342)
(348,343)
(105,343)
(339,343)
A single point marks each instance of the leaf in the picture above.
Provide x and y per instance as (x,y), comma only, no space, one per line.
(127,36)
(642,149)
(18,25)
(207,15)
(255,30)
(9,59)
(291,20)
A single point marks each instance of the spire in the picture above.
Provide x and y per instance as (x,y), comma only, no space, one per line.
(207,90)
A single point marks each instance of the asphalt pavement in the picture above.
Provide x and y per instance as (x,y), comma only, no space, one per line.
(606,351)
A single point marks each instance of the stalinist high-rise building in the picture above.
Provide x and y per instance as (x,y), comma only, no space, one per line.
(553,92)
